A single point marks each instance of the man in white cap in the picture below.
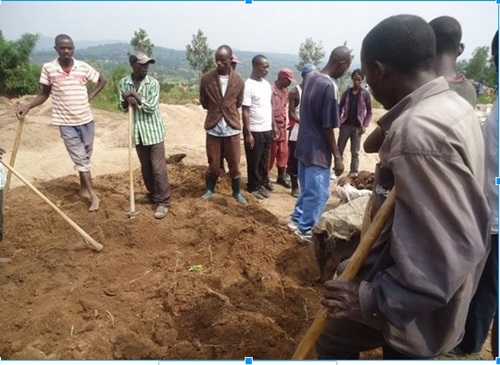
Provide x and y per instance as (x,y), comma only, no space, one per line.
(142,92)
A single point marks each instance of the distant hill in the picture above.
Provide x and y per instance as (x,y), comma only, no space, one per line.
(47,43)
(170,64)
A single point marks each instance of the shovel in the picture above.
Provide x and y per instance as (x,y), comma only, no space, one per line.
(133,211)
(353,266)
(89,240)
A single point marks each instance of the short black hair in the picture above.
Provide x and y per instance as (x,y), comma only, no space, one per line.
(406,42)
(448,34)
(257,58)
(357,72)
(62,37)
(225,47)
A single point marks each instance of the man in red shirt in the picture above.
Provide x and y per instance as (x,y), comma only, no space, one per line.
(279,146)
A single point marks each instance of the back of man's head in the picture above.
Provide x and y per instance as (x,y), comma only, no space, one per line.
(405,42)
(339,54)
(448,34)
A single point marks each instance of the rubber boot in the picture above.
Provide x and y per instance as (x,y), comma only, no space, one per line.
(235,184)
(210,182)
(295,186)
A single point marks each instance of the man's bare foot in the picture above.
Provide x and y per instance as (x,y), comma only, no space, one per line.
(94,203)
(85,193)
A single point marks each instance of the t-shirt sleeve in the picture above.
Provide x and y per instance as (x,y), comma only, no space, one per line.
(330,109)
(247,95)
(92,74)
(45,77)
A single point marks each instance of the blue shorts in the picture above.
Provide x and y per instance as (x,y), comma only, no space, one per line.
(79,142)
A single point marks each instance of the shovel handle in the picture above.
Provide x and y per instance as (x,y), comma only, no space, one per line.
(130,146)
(17,143)
(353,266)
(96,245)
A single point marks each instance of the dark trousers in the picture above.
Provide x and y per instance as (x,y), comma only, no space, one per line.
(258,160)
(344,339)
(292,164)
(352,132)
(232,153)
(154,171)
(483,305)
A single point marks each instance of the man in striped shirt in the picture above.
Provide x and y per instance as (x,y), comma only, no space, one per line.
(142,92)
(65,81)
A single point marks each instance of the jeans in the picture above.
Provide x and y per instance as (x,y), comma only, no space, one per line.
(483,304)
(352,132)
(315,190)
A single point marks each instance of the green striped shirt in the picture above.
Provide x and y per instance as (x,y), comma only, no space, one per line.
(148,124)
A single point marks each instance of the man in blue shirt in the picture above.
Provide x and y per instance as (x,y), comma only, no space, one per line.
(316,142)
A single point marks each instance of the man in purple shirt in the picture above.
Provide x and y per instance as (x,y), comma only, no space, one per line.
(316,142)
(355,116)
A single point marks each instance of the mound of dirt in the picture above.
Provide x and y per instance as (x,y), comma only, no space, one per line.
(213,280)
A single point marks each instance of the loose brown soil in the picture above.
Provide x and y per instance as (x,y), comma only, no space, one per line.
(212,280)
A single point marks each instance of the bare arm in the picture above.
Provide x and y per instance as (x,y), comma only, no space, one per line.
(41,98)
(338,165)
(247,133)
(293,101)
(98,87)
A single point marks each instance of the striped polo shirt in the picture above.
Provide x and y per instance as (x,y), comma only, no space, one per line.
(148,124)
(70,100)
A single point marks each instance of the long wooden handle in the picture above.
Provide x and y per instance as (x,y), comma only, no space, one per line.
(17,143)
(130,146)
(96,245)
(355,262)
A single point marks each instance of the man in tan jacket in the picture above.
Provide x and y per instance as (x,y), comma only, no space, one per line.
(221,94)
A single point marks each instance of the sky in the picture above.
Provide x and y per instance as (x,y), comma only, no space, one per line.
(263,26)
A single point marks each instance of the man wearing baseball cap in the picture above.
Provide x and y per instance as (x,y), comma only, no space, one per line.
(142,93)
(279,145)
(234,61)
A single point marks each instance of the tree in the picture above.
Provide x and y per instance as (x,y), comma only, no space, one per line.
(17,76)
(141,42)
(310,52)
(199,56)
(480,67)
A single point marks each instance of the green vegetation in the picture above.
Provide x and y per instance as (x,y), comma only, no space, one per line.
(310,52)
(480,67)
(141,42)
(486,99)
(17,75)
(199,56)
(108,99)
